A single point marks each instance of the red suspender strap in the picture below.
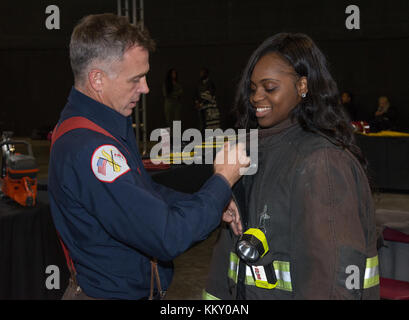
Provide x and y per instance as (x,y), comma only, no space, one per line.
(59,130)
(70,263)
(79,123)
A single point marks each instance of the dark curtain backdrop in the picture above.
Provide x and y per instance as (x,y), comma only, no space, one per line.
(36,75)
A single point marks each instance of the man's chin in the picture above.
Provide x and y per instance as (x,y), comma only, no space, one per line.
(127,112)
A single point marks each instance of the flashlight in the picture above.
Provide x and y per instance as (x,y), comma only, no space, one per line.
(252,245)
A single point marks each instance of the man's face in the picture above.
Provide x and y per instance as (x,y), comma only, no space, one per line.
(122,90)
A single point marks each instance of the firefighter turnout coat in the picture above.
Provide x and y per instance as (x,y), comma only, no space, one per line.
(314,202)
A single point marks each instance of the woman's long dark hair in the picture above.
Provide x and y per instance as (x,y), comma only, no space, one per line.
(321,110)
(169,81)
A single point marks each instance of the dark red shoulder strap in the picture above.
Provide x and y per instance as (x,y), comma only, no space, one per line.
(79,123)
(59,130)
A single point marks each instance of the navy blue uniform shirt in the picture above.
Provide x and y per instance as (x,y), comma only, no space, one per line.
(112,216)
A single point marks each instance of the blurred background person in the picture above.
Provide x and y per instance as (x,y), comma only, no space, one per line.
(172,91)
(350,108)
(384,117)
(205,102)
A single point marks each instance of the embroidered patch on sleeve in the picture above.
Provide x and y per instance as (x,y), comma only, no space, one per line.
(108,163)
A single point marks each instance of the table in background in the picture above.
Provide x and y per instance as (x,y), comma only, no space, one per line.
(28,244)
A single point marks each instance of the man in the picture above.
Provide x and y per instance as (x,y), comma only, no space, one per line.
(118,228)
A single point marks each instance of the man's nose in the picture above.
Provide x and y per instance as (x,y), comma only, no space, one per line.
(144,86)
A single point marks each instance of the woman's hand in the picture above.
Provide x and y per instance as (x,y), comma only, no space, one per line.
(231,215)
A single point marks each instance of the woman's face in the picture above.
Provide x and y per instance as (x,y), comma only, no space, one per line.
(275,90)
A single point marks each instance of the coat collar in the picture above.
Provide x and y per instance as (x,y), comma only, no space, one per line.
(278,128)
(80,104)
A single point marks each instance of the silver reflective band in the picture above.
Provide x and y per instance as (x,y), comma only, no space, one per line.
(232,273)
(371,278)
(281,269)
(283,275)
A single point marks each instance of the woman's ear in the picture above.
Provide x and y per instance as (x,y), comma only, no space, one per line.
(302,87)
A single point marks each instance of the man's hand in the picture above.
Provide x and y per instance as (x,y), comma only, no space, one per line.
(229,160)
(231,215)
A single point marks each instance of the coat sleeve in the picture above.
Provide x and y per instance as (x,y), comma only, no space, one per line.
(132,214)
(171,196)
(334,237)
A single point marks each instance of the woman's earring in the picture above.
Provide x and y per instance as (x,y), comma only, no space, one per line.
(303,95)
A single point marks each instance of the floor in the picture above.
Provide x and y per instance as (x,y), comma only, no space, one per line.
(191,267)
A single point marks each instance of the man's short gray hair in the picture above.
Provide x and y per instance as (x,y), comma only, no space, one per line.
(102,39)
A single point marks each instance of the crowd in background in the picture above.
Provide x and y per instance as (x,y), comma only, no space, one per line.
(204,100)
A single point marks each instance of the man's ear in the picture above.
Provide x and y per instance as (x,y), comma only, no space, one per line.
(95,78)
(302,86)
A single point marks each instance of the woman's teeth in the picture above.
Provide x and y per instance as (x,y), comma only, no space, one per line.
(261,109)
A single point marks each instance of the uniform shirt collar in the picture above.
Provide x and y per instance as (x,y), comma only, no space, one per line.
(104,116)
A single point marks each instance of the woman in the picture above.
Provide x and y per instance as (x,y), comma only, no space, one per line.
(205,102)
(310,197)
(349,105)
(172,91)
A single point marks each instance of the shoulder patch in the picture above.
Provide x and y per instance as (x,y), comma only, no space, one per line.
(108,163)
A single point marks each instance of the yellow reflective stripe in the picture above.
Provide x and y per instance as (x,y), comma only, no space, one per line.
(207,296)
(234,258)
(233,266)
(284,285)
(249,281)
(282,271)
(249,277)
(371,278)
(282,266)
(369,283)
(372,262)
(265,284)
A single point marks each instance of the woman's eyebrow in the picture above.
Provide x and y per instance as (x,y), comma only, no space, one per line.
(269,79)
(266,79)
